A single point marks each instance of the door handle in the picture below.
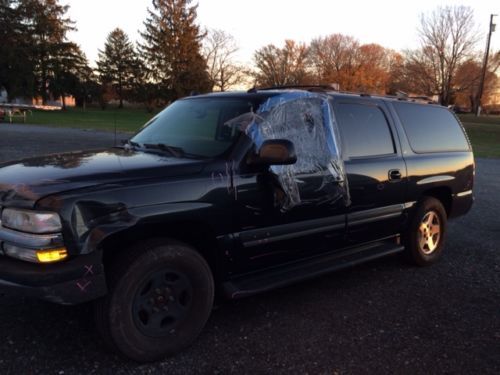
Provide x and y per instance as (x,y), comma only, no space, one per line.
(394,175)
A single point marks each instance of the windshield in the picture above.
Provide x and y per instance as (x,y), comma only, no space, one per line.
(195,126)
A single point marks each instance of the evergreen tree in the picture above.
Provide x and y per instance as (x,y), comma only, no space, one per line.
(144,89)
(16,68)
(36,59)
(117,62)
(70,72)
(46,27)
(172,48)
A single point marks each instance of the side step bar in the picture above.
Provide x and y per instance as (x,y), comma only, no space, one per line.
(277,277)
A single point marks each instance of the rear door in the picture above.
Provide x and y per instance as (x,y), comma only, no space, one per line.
(376,171)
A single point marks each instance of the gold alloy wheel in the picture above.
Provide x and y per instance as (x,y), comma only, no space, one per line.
(429,233)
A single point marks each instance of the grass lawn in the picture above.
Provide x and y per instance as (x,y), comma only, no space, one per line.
(128,120)
(484,133)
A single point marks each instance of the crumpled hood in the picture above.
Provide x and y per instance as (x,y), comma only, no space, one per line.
(23,182)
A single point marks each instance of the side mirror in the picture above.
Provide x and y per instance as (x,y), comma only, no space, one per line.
(275,152)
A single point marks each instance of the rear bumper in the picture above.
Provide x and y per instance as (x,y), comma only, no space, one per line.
(74,281)
(461,203)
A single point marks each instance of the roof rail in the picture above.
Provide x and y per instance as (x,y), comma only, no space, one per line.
(321,88)
(422,98)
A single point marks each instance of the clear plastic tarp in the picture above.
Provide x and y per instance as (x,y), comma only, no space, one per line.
(306,119)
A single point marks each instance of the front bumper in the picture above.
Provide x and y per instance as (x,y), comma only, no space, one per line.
(70,282)
(75,280)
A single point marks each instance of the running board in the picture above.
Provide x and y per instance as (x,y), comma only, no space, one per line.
(277,277)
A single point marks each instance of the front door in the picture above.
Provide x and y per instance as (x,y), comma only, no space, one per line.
(269,236)
(285,213)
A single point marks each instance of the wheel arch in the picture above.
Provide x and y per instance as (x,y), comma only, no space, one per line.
(442,194)
(191,232)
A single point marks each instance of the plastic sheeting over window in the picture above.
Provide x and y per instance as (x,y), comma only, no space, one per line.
(307,120)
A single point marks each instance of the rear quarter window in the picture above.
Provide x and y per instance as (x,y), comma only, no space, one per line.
(431,128)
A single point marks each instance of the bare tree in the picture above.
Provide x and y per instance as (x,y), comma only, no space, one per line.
(219,50)
(282,66)
(448,37)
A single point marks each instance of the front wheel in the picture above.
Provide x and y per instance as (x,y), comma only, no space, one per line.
(424,239)
(161,295)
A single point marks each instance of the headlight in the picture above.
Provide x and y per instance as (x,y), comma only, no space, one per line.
(31,221)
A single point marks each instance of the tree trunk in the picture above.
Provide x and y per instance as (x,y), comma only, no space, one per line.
(473,103)
(120,92)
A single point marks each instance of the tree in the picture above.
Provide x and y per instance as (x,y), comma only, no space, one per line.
(46,26)
(145,90)
(396,80)
(36,57)
(219,52)
(71,73)
(16,65)
(373,72)
(282,66)
(467,78)
(172,48)
(341,59)
(87,88)
(116,63)
(448,39)
(335,59)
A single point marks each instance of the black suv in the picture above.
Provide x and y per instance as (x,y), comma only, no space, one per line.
(230,194)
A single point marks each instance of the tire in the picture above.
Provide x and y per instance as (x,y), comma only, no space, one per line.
(160,296)
(425,237)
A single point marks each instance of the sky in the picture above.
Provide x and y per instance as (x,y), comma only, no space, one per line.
(256,23)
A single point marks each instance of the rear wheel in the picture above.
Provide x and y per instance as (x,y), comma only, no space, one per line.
(160,297)
(424,240)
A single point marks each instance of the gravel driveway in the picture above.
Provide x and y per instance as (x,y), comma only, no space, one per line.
(380,317)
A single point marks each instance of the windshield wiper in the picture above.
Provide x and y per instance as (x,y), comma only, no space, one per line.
(174,151)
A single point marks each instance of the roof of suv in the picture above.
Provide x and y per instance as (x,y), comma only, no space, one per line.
(256,93)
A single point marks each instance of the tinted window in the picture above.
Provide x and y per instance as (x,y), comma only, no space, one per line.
(364,130)
(197,126)
(430,128)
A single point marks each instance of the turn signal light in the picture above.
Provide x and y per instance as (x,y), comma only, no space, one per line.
(53,255)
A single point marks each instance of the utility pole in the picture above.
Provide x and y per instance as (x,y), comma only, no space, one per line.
(485,65)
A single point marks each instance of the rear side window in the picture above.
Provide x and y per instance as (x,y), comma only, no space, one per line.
(430,128)
(364,130)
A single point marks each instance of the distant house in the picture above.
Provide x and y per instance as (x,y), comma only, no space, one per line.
(54,102)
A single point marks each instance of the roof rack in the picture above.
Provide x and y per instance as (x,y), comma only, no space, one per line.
(400,95)
(422,99)
(319,88)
